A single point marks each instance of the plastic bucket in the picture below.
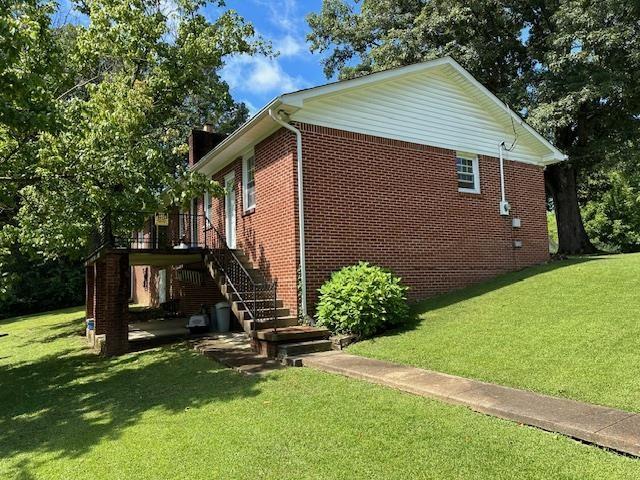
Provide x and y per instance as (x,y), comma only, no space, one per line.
(223,316)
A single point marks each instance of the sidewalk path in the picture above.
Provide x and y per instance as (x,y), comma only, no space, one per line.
(607,427)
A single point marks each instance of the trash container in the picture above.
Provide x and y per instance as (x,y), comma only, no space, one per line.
(213,323)
(223,316)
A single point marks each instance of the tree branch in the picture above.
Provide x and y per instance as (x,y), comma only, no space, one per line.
(79,85)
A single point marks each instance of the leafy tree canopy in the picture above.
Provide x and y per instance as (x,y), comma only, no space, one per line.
(571,67)
(94,115)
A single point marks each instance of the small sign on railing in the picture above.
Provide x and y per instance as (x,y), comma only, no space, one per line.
(162,219)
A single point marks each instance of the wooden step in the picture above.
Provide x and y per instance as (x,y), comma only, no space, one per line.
(300,348)
(293,334)
(283,322)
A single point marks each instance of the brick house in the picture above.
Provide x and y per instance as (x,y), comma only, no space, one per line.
(419,169)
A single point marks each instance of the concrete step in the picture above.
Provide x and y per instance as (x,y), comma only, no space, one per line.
(300,348)
(228,290)
(260,302)
(262,313)
(293,334)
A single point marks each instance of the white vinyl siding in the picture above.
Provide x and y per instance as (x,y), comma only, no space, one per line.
(430,108)
(468,173)
(249,181)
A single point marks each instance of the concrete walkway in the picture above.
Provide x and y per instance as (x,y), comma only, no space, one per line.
(234,351)
(607,427)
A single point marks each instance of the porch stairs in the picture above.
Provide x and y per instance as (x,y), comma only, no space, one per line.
(274,332)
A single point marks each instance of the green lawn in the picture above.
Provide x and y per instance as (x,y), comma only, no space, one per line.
(569,328)
(169,413)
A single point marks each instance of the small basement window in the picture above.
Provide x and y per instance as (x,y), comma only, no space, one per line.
(248,182)
(468,172)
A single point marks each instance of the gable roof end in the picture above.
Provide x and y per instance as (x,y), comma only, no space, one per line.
(261,125)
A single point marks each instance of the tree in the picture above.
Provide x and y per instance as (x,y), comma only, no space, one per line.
(98,112)
(570,67)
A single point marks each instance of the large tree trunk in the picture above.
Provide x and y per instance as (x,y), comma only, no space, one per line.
(561,183)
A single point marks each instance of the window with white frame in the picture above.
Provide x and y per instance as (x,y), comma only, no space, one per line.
(248,181)
(193,221)
(468,172)
(207,206)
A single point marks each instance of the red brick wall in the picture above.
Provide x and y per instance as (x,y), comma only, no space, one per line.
(397,205)
(268,235)
(193,296)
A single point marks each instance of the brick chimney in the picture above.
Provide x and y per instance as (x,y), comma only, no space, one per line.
(203,141)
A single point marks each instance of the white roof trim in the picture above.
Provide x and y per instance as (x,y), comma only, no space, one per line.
(296,100)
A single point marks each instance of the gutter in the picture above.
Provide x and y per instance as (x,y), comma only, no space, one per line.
(303,268)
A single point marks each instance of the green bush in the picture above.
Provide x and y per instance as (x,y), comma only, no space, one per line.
(363,300)
(613,221)
(29,285)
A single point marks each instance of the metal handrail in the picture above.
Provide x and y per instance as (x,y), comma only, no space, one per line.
(248,291)
(241,281)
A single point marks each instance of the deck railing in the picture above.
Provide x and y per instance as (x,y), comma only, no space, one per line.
(176,231)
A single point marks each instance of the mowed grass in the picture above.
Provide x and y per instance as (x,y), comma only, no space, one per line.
(169,413)
(569,328)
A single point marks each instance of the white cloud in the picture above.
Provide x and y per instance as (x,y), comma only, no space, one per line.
(282,13)
(259,75)
(252,108)
(288,46)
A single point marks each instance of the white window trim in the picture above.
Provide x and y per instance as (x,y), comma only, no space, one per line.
(181,215)
(193,221)
(207,206)
(245,197)
(476,172)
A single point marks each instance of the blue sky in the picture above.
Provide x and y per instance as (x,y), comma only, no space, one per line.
(257,80)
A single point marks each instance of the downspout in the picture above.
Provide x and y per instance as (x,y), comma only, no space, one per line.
(303,268)
(504,205)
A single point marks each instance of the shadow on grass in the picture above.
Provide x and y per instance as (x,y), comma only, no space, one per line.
(419,309)
(68,402)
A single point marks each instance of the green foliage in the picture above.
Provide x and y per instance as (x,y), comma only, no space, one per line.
(362,299)
(613,220)
(28,285)
(552,229)
(99,111)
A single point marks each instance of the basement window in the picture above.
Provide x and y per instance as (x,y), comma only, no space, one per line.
(468,173)
(249,181)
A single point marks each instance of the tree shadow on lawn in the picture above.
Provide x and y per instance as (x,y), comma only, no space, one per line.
(68,402)
(34,316)
(420,308)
